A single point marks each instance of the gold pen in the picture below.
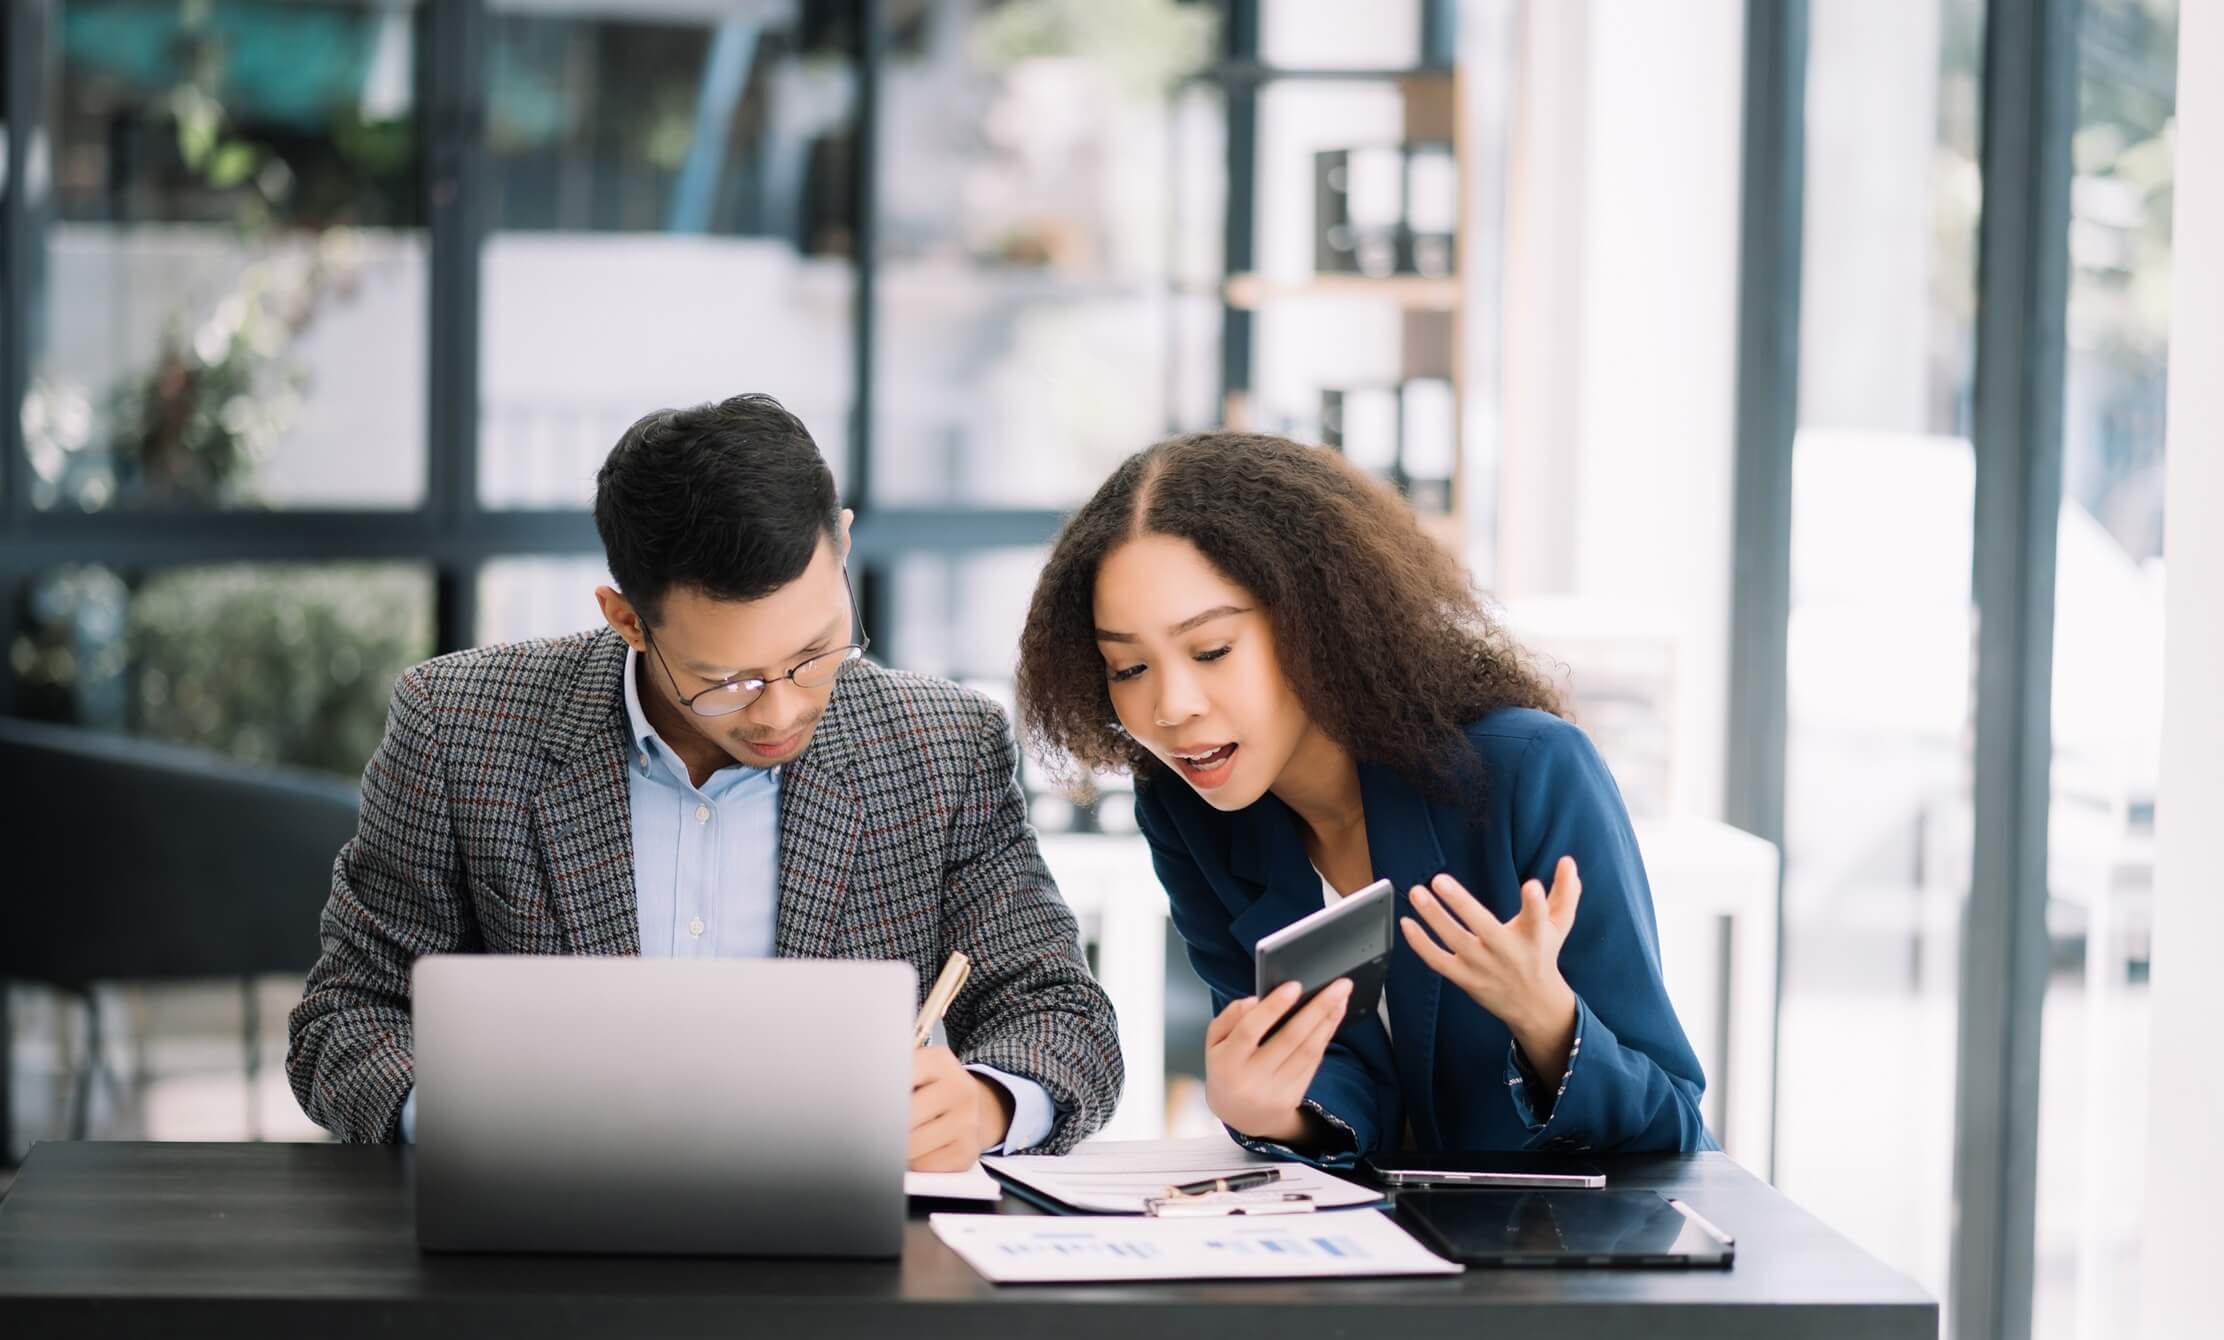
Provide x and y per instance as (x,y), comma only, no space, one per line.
(944,991)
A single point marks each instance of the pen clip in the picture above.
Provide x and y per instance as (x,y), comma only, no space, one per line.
(1249,1180)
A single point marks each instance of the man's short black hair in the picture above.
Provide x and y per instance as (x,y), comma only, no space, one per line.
(730,499)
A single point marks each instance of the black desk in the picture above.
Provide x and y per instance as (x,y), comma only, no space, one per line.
(252,1240)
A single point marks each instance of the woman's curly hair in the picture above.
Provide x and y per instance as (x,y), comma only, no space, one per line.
(1377,629)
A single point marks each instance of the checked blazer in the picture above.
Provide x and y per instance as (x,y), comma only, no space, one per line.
(495,817)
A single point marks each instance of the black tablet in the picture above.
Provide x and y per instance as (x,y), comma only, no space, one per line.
(1397,1169)
(1350,938)
(1563,1228)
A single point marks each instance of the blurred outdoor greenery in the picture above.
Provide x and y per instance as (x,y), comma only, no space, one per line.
(264,663)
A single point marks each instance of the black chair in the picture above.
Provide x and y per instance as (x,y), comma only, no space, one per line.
(133,860)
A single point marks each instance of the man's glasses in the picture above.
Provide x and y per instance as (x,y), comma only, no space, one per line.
(737,695)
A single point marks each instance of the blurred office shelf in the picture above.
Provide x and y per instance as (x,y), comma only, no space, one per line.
(1425,293)
(1353,257)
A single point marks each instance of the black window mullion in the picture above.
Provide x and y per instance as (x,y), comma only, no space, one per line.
(25,50)
(455,604)
(452,114)
(2030,117)
(871,52)
(1240,49)
(24,47)
(1771,238)
(1439,34)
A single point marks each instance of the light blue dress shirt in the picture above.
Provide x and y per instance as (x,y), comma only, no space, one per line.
(706,872)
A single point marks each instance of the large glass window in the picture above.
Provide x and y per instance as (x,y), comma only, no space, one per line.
(233,280)
(670,211)
(539,597)
(2108,626)
(1877,805)
(1322,35)
(265,663)
(1028,340)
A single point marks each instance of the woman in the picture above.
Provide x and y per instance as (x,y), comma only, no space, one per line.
(1311,697)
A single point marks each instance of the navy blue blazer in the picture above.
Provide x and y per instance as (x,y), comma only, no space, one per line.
(1446,1065)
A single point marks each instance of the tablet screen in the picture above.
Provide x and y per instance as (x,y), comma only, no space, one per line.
(1562,1228)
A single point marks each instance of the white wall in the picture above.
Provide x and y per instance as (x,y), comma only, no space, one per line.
(1621,336)
(2185,1163)
(1872,127)
(1542,290)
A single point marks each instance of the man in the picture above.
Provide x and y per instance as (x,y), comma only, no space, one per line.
(718,773)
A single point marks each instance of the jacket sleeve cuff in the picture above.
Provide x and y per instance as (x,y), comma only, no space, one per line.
(1342,1152)
(1033,1114)
(1522,1082)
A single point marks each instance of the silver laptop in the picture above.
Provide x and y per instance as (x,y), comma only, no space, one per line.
(726,1106)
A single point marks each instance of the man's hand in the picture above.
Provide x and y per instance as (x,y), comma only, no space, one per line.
(955,1114)
(1255,1085)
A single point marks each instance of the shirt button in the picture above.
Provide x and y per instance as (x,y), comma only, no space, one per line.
(644,758)
(695,928)
(702,814)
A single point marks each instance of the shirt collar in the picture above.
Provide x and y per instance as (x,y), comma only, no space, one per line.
(644,736)
(647,741)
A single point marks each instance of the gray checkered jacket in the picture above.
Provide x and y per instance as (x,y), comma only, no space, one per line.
(495,817)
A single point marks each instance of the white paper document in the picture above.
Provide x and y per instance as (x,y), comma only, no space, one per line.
(1036,1249)
(1116,1176)
(972,1184)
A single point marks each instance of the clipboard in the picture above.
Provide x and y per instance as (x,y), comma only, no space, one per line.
(1116,1177)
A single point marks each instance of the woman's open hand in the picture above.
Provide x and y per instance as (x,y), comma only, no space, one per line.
(1510,968)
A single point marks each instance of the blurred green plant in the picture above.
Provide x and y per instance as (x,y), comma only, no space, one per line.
(192,429)
(207,141)
(263,663)
(274,665)
(223,387)
(267,665)
(1145,44)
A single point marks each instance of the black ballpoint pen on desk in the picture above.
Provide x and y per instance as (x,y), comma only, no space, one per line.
(1239,1182)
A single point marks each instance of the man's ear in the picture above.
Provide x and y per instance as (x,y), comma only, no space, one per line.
(841,535)
(618,612)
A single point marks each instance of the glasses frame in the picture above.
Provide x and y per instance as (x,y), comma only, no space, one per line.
(846,654)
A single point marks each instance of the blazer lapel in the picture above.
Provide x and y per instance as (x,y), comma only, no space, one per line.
(583,813)
(1402,842)
(821,817)
(1269,849)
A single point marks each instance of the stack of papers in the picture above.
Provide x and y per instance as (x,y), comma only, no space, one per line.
(1117,1176)
(972,1184)
(1026,1249)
